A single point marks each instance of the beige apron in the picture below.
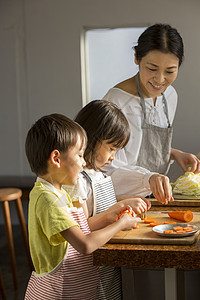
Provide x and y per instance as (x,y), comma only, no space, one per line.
(154,154)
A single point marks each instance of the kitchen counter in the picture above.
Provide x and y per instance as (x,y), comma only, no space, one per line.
(169,257)
(156,256)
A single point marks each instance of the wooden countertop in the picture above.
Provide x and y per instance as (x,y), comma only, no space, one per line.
(151,256)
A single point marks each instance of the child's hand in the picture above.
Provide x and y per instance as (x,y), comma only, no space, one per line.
(138,204)
(114,211)
(129,222)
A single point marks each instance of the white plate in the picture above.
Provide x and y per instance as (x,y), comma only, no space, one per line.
(159,229)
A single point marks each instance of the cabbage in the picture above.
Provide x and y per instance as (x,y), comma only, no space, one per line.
(187,184)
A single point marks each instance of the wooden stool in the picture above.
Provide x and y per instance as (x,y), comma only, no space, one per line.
(2,288)
(6,195)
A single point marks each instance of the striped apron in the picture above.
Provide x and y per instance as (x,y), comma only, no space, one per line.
(73,278)
(110,277)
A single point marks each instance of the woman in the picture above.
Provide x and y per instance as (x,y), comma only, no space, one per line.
(149,102)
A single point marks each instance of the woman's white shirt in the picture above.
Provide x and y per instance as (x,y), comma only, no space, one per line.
(127,177)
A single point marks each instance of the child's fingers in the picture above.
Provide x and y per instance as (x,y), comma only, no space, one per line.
(148,202)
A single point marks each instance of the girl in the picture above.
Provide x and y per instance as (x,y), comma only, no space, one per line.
(107,131)
(61,242)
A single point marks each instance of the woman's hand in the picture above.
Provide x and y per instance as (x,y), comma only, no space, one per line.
(161,188)
(186,159)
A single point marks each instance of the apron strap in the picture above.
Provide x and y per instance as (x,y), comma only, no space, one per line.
(139,89)
(142,102)
(87,176)
(166,109)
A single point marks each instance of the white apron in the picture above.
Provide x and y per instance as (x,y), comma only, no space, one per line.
(73,278)
(110,277)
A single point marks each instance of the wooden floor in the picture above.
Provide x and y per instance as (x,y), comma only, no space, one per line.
(23,270)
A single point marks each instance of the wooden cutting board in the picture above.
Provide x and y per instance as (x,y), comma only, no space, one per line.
(176,202)
(145,234)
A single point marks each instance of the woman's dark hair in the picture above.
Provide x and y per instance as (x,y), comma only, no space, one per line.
(160,37)
(51,132)
(102,121)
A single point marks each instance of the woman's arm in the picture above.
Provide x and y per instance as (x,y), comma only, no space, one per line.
(87,243)
(186,159)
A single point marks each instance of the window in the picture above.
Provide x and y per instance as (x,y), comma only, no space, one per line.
(107,58)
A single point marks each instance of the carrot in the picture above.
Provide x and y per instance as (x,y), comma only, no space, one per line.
(147,221)
(155,224)
(168,231)
(188,229)
(178,228)
(126,212)
(185,216)
(169,222)
(180,231)
(137,226)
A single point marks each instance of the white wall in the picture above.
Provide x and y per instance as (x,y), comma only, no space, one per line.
(40,63)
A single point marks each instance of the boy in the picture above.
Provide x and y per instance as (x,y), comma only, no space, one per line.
(60,239)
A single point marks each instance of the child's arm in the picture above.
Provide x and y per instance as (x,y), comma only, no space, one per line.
(87,243)
(139,205)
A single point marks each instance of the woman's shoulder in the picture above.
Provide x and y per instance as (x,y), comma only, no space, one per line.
(171,93)
(121,92)
(128,86)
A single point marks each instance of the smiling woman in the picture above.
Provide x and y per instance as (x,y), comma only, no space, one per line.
(149,102)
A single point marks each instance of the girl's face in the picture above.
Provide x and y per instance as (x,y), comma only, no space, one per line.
(157,71)
(105,154)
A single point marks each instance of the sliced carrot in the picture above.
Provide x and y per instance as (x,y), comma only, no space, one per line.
(137,226)
(147,221)
(185,216)
(169,222)
(168,231)
(178,228)
(155,224)
(126,212)
(180,231)
(189,229)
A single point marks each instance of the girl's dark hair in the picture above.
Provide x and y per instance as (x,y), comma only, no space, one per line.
(102,121)
(51,132)
(160,37)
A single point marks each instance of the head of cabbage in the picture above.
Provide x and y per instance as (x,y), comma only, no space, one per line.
(187,184)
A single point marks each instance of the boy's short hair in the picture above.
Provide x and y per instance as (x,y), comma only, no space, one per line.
(102,120)
(51,132)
